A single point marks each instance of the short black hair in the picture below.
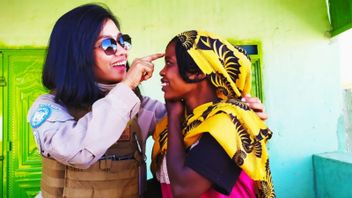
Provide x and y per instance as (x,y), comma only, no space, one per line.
(185,62)
(69,66)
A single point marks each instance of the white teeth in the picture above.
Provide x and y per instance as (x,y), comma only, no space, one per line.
(122,63)
(163,84)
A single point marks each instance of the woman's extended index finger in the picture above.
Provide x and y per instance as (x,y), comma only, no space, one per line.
(153,57)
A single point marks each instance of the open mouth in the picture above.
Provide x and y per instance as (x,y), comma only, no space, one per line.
(121,65)
(164,84)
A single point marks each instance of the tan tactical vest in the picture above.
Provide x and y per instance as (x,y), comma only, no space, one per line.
(119,173)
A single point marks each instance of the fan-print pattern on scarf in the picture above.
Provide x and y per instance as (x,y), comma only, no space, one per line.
(266,188)
(187,39)
(249,145)
(205,114)
(228,60)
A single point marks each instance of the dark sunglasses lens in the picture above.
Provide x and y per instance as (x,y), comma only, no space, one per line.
(109,46)
(125,41)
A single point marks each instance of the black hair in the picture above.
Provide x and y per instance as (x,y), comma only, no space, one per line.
(185,62)
(69,66)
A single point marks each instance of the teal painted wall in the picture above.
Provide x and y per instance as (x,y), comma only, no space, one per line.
(333,172)
(300,62)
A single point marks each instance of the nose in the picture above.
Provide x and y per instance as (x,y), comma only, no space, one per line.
(121,50)
(162,72)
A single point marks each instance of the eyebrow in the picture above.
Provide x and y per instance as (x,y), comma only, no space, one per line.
(108,36)
(169,58)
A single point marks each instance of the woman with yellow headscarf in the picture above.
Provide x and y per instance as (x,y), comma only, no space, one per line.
(215,145)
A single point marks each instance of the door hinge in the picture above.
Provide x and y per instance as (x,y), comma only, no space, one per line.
(2,81)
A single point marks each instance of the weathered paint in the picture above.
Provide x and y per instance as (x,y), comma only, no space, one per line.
(301,74)
(347,136)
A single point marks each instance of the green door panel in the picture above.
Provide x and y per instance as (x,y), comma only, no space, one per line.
(257,82)
(2,82)
(253,49)
(22,71)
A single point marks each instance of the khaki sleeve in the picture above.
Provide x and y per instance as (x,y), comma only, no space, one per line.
(150,113)
(81,143)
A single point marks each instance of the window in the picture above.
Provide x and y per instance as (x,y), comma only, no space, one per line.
(254,52)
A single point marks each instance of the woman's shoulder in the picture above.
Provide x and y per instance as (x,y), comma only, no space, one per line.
(45,108)
(47,100)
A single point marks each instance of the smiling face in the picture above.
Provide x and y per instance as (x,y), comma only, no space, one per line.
(109,69)
(173,86)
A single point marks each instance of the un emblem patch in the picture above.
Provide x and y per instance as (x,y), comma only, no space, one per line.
(42,113)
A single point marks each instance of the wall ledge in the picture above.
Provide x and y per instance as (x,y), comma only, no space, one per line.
(332,174)
(342,157)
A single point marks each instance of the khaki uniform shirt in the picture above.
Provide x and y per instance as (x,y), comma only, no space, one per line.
(81,143)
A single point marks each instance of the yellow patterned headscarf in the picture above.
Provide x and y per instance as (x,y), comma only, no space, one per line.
(241,133)
(228,65)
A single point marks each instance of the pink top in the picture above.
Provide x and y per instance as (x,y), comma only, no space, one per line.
(243,188)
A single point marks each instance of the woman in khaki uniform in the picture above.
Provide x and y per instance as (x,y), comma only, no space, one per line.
(86,121)
(92,125)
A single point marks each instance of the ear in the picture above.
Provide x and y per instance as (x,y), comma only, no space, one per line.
(197,76)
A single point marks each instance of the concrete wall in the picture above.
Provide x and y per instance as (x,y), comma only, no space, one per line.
(300,62)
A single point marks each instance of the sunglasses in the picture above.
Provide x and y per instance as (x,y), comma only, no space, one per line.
(109,45)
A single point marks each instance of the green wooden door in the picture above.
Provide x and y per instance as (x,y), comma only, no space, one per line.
(2,84)
(21,84)
(254,52)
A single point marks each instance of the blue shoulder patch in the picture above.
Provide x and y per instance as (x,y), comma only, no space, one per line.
(42,114)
